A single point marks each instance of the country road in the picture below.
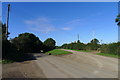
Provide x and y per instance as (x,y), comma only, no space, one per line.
(75,65)
(78,65)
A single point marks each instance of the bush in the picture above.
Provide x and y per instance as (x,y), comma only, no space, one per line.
(77,46)
(8,50)
(49,44)
(113,48)
(92,46)
(27,43)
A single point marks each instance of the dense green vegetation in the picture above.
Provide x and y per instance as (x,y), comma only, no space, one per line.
(112,49)
(58,52)
(27,43)
(49,44)
(21,48)
(93,45)
(6,61)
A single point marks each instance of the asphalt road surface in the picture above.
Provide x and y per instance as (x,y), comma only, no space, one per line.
(78,65)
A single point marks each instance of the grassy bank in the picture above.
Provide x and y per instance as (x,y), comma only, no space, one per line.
(108,55)
(58,52)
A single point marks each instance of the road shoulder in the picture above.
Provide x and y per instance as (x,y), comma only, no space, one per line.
(26,69)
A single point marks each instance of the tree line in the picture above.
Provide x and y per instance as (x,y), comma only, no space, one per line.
(112,48)
(18,48)
(94,44)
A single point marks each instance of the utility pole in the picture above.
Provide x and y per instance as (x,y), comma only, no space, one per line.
(78,39)
(93,36)
(7,20)
(119,22)
(101,42)
(78,36)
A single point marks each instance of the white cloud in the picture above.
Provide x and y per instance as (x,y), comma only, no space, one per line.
(40,24)
(75,21)
(45,25)
(72,24)
(66,28)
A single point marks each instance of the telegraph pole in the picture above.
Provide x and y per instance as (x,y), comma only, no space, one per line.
(7,20)
(78,36)
(78,39)
(93,36)
(119,22)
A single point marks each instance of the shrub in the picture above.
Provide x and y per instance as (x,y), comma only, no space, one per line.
(113,48)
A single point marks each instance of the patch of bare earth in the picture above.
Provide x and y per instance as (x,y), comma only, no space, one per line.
(27,69)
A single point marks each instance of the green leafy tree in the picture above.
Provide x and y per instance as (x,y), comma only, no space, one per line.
(49,44)
(112,48)
(64,46)
(78,41)
(8,49)
(95,41)
(4,32)
(27,43)
(93,45)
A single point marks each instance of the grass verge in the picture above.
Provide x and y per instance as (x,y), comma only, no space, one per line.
(102,54)
(108,55)
(58,52)
(81,50)
(6,61)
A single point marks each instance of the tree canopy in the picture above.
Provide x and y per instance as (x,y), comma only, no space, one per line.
(27,42)
(49,44)
(95,41)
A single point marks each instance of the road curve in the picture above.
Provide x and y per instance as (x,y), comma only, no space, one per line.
(78,65)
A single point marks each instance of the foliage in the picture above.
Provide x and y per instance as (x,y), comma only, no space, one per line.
(113,48)
(49,44)
(6,61)
(95,41)
(27,43)
(4,32)
(8,50)
(118,19)
(58,52)
(93,45)
(78,41)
